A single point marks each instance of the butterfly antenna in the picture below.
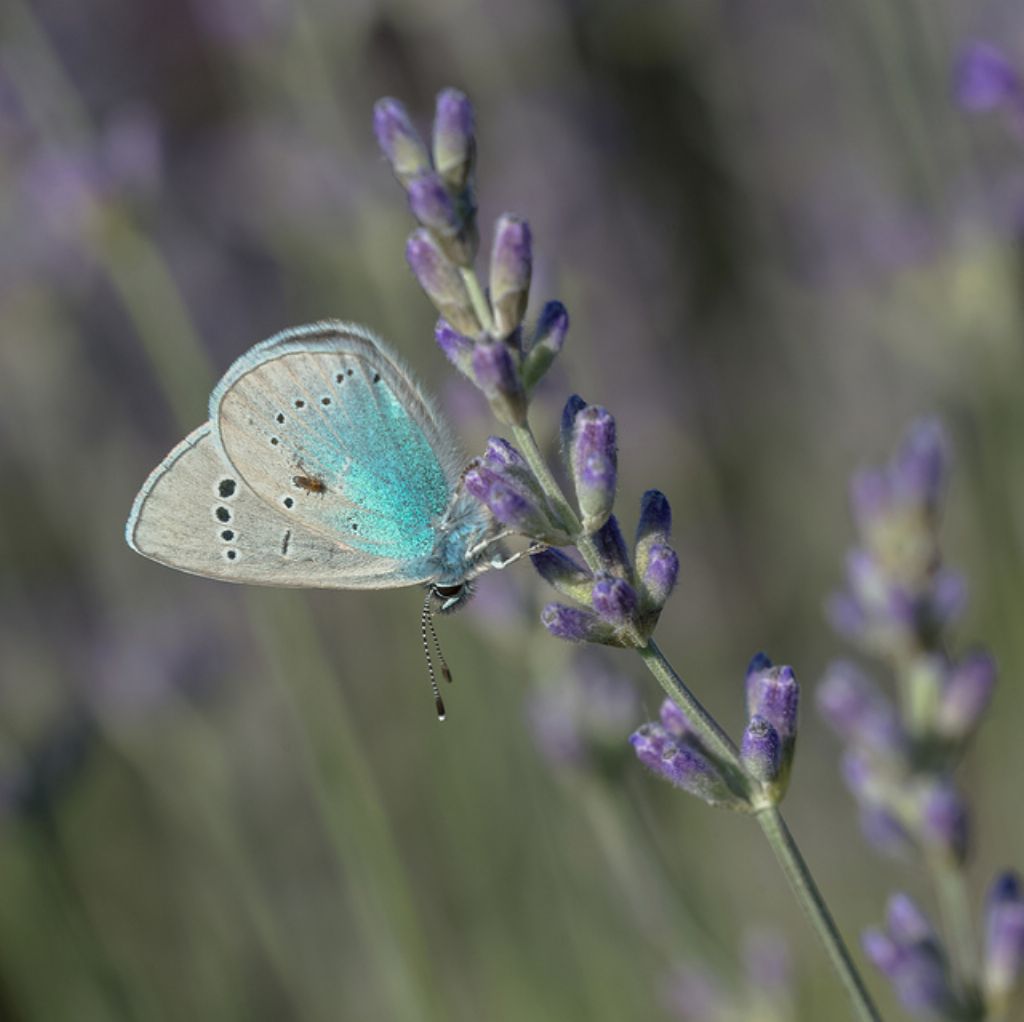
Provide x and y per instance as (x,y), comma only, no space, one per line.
(426,622)
(445,672)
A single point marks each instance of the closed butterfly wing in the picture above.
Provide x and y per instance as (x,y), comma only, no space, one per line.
(197,514)
(332,432)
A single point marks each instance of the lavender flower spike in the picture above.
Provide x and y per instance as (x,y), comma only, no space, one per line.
(1004,942)
(454,138)
(593,458)
(441,281)
(511,268)
(399,140)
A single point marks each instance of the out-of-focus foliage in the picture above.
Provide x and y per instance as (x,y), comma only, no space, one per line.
(779,241)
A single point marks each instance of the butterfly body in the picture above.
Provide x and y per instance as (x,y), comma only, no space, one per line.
(323,465)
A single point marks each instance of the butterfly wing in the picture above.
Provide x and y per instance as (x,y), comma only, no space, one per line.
(331,430)
(197,514)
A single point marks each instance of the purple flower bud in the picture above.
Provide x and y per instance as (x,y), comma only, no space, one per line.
(944,823)
(761,751)
(870,496)
(572,408)
(917,972)
(564,574)
(511,267)
(457,348)
(773,693)
(1004,941)
(574,624)
(511,504)
(948,597)
(611,548)
(885,833)
(593,457)
(984,78)
(655,525)
(548,338)
(614,600)
(454,138)
(922,462)
(441,281)
(659,576)
(500,454)
(966,696)
(432,205)
(399,140)
(673,719)
(906,922)
(495,372)
(856,710)
(683,766)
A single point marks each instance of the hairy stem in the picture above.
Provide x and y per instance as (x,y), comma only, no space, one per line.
(806,891)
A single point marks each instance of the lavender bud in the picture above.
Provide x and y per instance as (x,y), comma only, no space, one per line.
(917,972)
(564,574)
(906,922)
(510,504)
(659,577)
(572,408)
(575,625)
(495,372)
(884,832)
(441,281)
(673,719)
(921,464)
(501,456)
(399,140)
(457,348)
(548,338)
(966,696)
(857,711)
(615,601)
(683,766)
(511,267)
(454,138)
(655,525)
(984,78)
(761,751)
(1004,942)
(453,228)
(870,497)
(773,694)
(943,821)
(611,548)
(948,597)
(593,457)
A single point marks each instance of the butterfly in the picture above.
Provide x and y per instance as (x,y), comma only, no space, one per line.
(323,465)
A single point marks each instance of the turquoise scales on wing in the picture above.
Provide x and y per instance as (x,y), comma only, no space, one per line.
(297,406)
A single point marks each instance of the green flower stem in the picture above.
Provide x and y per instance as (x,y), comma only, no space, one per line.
(807,893)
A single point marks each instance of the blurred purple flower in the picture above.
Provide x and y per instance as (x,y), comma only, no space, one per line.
(984,78)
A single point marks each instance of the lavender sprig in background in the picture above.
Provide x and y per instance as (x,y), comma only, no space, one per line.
(900,756)
(617,592)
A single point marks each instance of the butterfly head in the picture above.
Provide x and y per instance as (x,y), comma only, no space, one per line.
(450,597)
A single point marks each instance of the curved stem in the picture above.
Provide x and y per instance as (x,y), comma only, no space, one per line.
(481,306)
(807,893)
(711,734)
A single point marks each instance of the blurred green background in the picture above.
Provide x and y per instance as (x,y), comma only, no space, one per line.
(779,242)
